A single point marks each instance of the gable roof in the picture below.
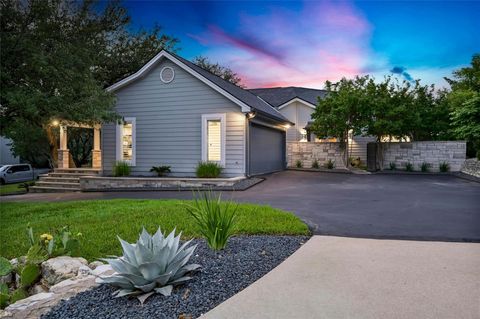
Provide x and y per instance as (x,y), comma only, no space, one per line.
(280,95)
(245,99)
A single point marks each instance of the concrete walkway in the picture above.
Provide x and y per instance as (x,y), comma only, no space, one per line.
(335,277)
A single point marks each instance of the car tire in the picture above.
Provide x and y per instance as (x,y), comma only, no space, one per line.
(2,181)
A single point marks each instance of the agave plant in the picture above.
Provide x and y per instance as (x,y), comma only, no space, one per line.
(154,264)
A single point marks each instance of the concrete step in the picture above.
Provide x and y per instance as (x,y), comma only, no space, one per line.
(59,179)
(57,184)
(44,189)
(85,171)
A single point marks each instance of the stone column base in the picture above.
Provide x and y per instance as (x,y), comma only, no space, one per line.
(63,156)
(96,159)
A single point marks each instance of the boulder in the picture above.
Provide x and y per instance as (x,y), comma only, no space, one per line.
(60,268)
(32,307)
(71,287)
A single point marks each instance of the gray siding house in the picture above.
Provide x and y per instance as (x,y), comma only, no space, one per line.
(178,114)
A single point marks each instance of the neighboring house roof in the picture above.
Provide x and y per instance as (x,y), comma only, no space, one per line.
(279,96)
(242,97)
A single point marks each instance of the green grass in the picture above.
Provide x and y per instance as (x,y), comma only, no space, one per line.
(101,221)
(11,188)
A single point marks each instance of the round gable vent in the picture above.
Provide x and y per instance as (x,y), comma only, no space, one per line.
(167,74)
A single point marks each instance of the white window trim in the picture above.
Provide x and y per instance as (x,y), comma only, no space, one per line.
(119,133)
(223,131)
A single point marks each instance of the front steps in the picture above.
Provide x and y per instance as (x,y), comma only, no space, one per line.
(62,180)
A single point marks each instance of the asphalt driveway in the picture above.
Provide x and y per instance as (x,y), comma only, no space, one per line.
(417,207)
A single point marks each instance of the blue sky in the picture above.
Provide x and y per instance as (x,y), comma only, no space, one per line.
(304,43)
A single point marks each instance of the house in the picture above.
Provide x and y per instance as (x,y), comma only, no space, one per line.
(175,113)
(178,114)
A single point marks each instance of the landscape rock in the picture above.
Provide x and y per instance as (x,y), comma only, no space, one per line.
(31,307)
(70,287)
(37,289)
(6,279)
(5,314)
(84,271)
(60,268)
(103,270)
(95,264)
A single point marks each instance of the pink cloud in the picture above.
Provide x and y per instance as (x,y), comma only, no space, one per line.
(325,41)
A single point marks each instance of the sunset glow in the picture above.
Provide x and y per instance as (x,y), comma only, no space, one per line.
(306,43)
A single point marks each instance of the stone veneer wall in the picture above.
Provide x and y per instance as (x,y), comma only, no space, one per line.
(472,167)
(94,183)
(307,152)
(432,152)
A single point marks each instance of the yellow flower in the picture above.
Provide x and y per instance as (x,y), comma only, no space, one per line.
(46,237)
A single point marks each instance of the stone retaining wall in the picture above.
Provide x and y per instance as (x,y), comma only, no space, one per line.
(472,167)
(432,152)
(94,183)
(307,152)
(401,153)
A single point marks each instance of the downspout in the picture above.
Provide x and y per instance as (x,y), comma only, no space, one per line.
(247,145)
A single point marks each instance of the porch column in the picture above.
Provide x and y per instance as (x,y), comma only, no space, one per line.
(63,150)
(96,152)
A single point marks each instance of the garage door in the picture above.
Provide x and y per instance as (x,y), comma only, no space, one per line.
(267,149)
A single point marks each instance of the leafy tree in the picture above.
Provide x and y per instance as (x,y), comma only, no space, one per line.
(464,103)
(219,70)
(56,59)
(343,110)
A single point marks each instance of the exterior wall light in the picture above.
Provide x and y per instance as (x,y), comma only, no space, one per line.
(251,115)
(55,123)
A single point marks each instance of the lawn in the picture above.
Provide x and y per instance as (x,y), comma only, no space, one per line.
(101,221)
(11,188)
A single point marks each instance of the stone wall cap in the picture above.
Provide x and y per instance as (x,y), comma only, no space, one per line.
(165,179)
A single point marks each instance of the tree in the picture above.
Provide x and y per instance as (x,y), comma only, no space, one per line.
(224,72)
(344,110)
(386,110)
(464,103)
(56,59)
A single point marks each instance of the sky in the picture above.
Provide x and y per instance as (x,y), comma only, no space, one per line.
(305,43)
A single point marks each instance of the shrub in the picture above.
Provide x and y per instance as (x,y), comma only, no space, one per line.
(409,167)
(160,170)
(121,168)
(425,167)
(154,264)
(216,220)
(208,170)
(444,167)
(330,164)
(298,164)
(315,164)
(393,166)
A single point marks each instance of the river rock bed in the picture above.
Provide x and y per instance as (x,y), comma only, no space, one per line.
(223,274)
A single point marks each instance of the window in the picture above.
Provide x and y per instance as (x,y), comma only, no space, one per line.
(213,138)
(126,141)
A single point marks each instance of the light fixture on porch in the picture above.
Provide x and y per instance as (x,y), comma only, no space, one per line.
(55,123)
(251,115)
